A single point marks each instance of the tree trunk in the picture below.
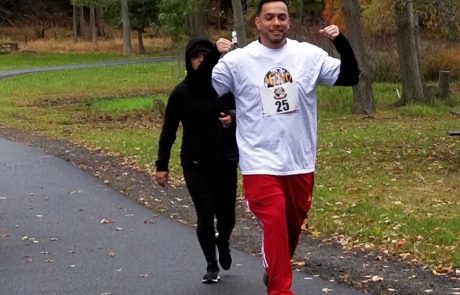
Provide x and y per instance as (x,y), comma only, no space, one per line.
(239,23)
(363,96)
(300,13)
(75,23)
(140,40)
(127,47)
(409,58)
(92,22)
(100,22)
(83,30)
(218,8)
(197,19)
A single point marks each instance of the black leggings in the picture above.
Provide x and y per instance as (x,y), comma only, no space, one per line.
(213,191)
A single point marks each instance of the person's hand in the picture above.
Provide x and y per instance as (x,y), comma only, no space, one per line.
(331,32)
(226,119)
(161,177)
(224,45)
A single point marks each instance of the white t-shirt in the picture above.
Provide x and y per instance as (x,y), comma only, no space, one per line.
(275,98)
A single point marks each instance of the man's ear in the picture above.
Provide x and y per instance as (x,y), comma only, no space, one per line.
(257,22)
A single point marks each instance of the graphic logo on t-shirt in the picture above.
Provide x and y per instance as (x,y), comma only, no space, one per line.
(275,79)
(280,93)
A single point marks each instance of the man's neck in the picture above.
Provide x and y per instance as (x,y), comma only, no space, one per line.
(273,45)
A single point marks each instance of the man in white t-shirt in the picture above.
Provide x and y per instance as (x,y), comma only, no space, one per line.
(274,82)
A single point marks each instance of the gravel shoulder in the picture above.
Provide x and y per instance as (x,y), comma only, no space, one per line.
(373,273)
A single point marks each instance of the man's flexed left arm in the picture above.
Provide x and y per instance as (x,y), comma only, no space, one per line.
(349,70)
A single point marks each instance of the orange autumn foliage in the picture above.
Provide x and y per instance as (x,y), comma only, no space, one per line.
(332,14)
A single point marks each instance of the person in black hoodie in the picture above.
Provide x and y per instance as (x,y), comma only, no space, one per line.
(209,154)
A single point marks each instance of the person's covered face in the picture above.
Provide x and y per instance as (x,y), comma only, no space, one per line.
(273,24)
(195,52)
(196,59)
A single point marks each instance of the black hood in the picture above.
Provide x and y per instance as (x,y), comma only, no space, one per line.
(194,45)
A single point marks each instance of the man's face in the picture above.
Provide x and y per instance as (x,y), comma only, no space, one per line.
(273,23)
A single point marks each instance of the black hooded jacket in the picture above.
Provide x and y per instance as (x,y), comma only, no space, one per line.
(193,103)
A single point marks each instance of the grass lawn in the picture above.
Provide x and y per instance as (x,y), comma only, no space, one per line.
(388,183)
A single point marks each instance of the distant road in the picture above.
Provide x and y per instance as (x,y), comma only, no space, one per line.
(12,73)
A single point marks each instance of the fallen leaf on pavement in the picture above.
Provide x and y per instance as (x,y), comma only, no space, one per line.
(377,278)
(299,263)
(149,221)
(28,258)
(107,221)
(444,270)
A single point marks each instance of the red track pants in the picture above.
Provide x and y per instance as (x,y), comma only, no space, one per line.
(281,204)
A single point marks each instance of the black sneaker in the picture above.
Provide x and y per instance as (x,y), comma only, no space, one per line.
(212,274)
(211,278)
(265,279)
(225,259)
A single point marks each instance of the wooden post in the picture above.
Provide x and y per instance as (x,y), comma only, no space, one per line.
(443,86)
(239,22)
(158,108)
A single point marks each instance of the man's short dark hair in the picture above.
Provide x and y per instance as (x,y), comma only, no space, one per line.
(262,2)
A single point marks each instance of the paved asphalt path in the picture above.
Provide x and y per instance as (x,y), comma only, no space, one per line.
(52,240)
(12,73)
